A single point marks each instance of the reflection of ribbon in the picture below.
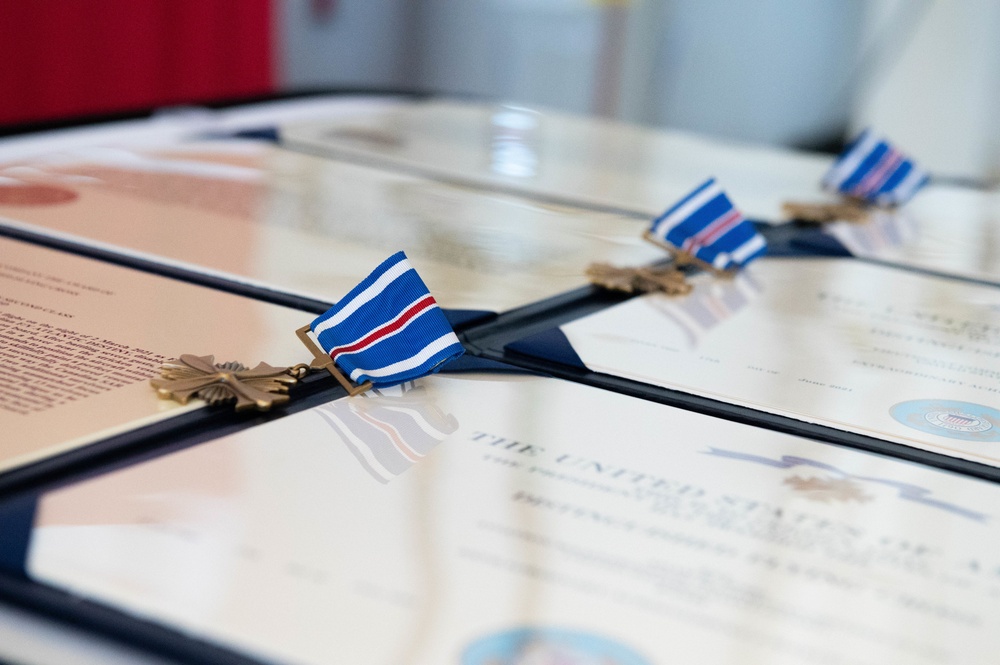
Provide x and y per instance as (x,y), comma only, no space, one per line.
(708,305)
(389,430)
(882,232)
(906,491)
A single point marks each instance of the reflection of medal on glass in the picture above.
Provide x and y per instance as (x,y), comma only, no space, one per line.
(387,330)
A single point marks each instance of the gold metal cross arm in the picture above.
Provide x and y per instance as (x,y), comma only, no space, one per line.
(259,388)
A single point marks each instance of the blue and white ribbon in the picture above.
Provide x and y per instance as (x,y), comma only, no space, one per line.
(388,329)
(872,170)
(706,225)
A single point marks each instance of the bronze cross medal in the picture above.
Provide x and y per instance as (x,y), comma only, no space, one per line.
(668,279)
(847,210)
(258,388)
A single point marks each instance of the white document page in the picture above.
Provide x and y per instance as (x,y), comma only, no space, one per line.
(953,230)
(258,214)
(80,339)
(885,352)
(475,521)
(569,158)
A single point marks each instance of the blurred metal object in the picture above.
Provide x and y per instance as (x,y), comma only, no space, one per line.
(849,210)
(667,279)
(322,360)
(258,388)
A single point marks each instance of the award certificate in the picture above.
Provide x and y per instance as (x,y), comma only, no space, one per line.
(80,339)
(561,157)
(951,230)
(485,521)
(254,213)
(879,351)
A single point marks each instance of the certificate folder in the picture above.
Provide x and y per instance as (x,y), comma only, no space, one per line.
(159,643)
(529,333)
(550,352)
(560,158)
(458,318)
(85,294)
(139,430)
(792,327)
(135,444)
(280,222)
(592,522)
(945,230)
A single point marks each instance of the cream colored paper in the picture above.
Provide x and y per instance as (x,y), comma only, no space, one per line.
(258,214)
(831,341)
(952,230)
(577,159)
(541,504)
(80,339)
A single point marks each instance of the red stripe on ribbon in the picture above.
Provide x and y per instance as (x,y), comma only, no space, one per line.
(397,439)
(717,229)
(877,176)
(408,314)
(713,231)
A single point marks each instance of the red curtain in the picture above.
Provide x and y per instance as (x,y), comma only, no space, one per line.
(61,58)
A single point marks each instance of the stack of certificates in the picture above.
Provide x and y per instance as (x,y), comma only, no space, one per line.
(797,463)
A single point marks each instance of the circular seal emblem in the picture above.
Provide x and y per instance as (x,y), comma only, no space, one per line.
(548,646)
(950,418)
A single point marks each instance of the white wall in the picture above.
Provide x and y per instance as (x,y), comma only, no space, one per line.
(774,71)
(763,70)
(937,94)
(540,52)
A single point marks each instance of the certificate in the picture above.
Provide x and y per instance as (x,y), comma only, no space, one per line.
(257,214)
(888,353)
(567,158)
(474,521)
(80,339)
(945,229)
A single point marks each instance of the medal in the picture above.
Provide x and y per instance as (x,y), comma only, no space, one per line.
(704,230)
(387,330)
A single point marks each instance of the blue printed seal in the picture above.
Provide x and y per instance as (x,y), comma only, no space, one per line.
(950,418)
(548,646)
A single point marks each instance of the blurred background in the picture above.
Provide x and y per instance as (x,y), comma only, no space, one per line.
(802,74)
